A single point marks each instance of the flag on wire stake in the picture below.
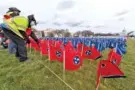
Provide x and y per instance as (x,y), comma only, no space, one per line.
(106,69)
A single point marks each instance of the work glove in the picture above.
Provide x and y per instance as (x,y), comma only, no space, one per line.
(27,41)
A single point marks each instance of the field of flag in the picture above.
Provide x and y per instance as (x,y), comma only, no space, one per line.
(81,64)
(73,51)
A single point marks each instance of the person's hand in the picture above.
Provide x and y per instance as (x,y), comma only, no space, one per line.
(28,41)
(37,41)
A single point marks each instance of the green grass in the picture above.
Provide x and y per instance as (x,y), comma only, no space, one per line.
(35,76)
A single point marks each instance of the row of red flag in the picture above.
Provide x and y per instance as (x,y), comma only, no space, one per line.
(109,68)
(73,58)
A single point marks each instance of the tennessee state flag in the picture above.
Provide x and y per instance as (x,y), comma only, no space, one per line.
(52,42)
(72,59)
(106,69)
(90,53)
(44,47)
(56,52)
(59,47)
(69,45)
(95,52)
(114,57)
(52,53)
(86,52)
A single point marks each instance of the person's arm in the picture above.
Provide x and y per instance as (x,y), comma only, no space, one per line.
(29,32)
(34,36)
(25,36)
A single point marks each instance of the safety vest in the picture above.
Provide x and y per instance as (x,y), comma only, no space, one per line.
(17,23)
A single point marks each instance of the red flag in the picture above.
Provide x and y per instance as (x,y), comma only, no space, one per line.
(69,45)
(96,53)
(59,54)
(56,52)
(90,53)
(52,53)
(87,52)
(80,47)
(34,45)
(44,47)
(114,57)
(106,69)
(51,43)
(58,44)
(73,59)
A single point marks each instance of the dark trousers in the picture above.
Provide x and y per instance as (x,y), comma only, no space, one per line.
(21,51)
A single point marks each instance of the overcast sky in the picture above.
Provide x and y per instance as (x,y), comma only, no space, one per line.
(97,15)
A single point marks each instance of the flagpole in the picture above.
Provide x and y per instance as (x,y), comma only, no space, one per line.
(41,52)
(97,86)
(48,47)
(82,50)
(64,56)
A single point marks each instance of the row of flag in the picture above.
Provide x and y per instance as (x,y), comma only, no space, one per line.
(72,51)
(72,57)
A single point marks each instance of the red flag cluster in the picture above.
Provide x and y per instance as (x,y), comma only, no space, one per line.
(73,58)
(109,68)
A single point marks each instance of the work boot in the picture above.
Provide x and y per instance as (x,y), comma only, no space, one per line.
(25,60)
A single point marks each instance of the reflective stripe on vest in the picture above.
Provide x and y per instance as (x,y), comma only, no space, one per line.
(12,27)
(17,23)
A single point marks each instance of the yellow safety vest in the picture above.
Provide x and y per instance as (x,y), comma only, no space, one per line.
(17,23)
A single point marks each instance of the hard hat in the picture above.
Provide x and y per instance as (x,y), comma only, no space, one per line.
(11,9)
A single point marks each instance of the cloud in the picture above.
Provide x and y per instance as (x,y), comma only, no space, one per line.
(57,24)
(99,26)
(121,19)
(42,22)
(67,4)
(85,26)
(56,16)
(74,24)
(3,9)
(122,13)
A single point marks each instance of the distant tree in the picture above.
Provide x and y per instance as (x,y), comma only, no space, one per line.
(62,32)
(57,32)
(67,34)
(117,34)
(43,34)
(50,34)
(77,34)
(87,33)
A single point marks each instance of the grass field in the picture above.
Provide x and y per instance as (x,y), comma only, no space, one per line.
(35,75)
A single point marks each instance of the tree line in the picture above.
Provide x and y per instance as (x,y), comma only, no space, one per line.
(83,33)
